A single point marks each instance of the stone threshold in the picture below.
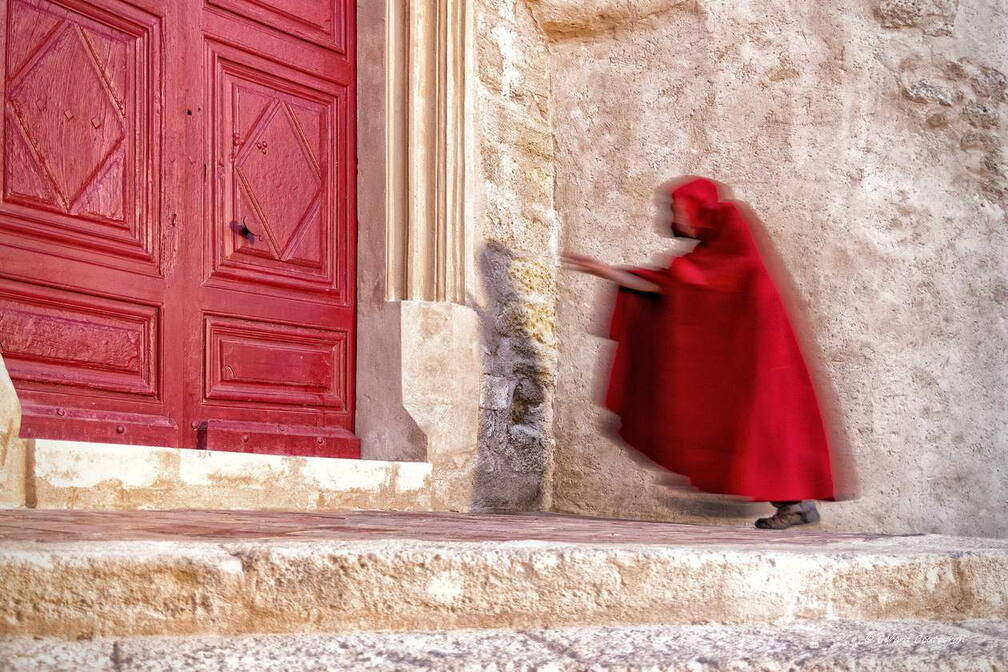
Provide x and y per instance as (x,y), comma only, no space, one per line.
(78,475)
(73,575)
(814,645)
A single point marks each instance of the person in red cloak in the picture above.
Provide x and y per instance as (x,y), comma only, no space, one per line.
(708,378)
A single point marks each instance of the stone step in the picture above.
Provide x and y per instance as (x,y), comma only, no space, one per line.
(811,645)
(75,475)
(77,574)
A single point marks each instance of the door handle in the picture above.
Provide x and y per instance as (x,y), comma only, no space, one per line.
(243,231)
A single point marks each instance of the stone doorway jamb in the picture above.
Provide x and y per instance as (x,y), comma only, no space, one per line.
(418,376)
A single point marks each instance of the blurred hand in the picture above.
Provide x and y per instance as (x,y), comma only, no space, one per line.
(584,264)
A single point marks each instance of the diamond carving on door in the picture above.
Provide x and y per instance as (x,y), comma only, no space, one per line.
(92,119)
(285,203)
(279,218)
(76,132)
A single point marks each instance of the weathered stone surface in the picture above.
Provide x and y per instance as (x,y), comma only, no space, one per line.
(71,475)
(564,19)
(935,17)
(876,158)
(980,115)
(335,581)
(925,92)
(516,258)
(822,646)
(49,655)
(13,451)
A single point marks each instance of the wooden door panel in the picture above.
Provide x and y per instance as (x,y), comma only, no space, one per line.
(86,367)
(263,40)
(93,276)
(323,22)
(278,217)
(270,363)
(80,128)
(57,339)
(177,216)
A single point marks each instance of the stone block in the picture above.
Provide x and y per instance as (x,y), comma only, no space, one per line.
(497,391)
(73,475)
(13,450)
(442,374)
(935,17)
(566,19)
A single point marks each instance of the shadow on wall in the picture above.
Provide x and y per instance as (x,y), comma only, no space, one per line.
(515,439)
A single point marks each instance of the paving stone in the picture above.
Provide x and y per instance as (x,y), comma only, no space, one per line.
(55,655)
(820,646)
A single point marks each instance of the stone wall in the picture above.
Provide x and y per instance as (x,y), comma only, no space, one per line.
(13,455)
(516,257)
(870,138)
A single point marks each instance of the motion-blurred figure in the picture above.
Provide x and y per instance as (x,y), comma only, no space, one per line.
(708,379)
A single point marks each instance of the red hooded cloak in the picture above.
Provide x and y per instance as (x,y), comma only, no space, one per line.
(708,379)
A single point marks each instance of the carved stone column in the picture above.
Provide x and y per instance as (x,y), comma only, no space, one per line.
(425,136)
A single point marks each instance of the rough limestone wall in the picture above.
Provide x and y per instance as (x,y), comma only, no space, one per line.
(871,139)
(516,257)
(12,449)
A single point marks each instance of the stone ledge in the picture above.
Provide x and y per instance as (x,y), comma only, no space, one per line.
(566,19)
(74,475)
(120,588)
(821,646)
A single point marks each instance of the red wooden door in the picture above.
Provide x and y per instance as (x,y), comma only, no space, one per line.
(275,273)
(177,222)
